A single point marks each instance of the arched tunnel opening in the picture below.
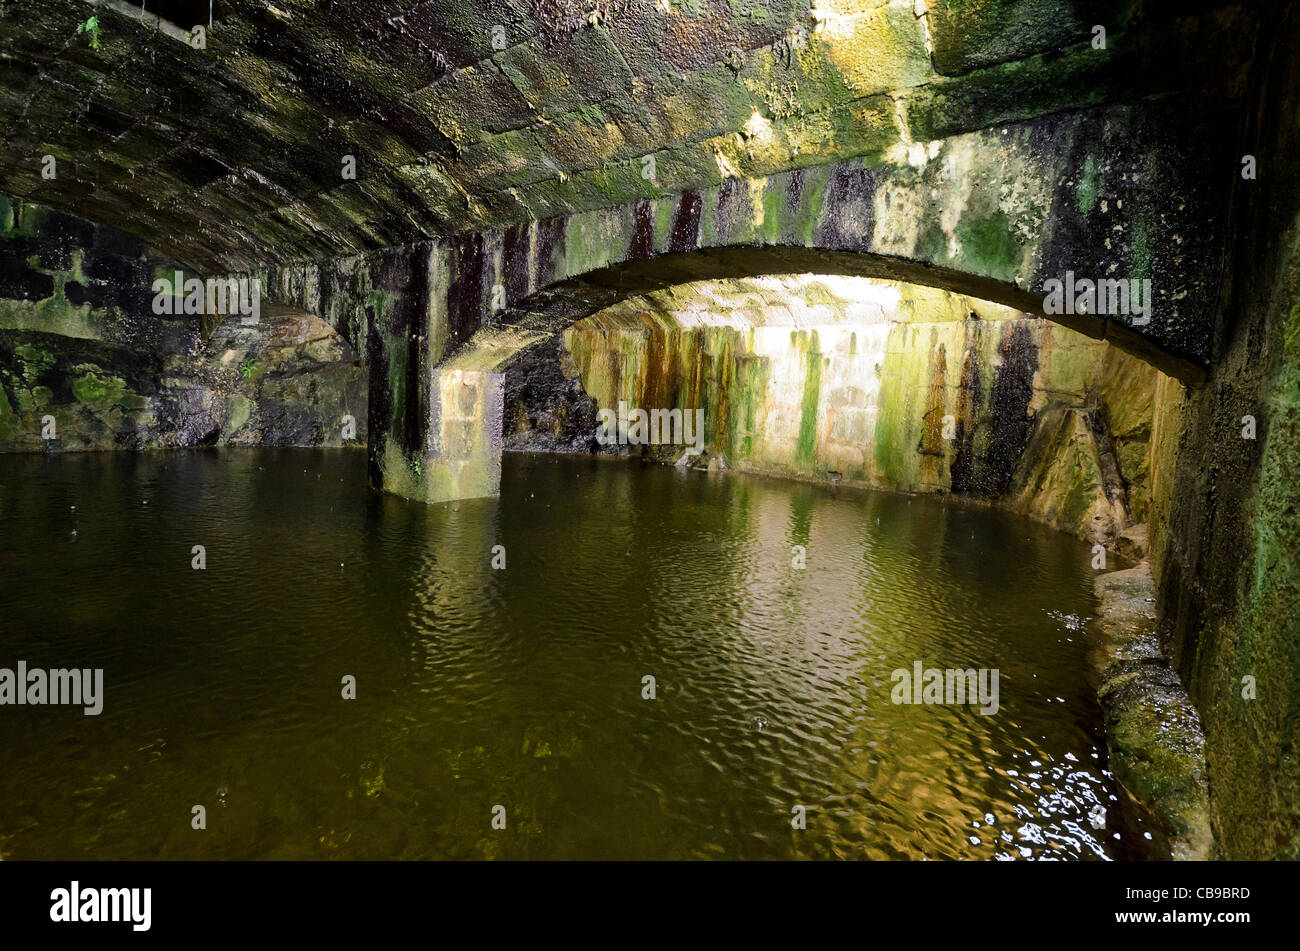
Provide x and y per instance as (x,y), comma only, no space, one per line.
(852,381)
(620,430)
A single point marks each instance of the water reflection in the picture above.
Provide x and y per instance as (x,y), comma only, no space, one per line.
(524,687)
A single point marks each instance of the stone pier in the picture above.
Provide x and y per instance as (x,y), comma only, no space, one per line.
(463,458)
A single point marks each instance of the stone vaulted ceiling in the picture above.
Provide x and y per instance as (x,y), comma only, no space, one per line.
(466,114)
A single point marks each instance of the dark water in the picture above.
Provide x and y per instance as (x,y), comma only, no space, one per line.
(523,687)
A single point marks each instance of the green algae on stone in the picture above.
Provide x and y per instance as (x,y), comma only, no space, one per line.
(92,386)
(1087,188)
(806,451)
(1154,734)
(1141,251)
(9,420)
(869,403)
(990,246)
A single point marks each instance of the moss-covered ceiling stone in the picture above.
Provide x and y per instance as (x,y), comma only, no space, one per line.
(475,114)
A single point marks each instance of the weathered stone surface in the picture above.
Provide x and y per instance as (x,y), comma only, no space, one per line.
(991,214)
(1153,733)
(968,34)
(584,154)
(879,384)
(109,396)
(64,275)
(454,112)
(1224,532)
(1133,542)
(613,148)
(84,347)
(1068,477)
(546,408)
(465,457)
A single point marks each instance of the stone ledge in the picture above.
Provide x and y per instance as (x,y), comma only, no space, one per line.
(1153,732)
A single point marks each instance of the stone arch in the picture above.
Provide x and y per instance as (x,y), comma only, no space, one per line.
(993,214)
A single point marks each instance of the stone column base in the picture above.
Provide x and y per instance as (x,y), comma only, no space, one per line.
(463,460)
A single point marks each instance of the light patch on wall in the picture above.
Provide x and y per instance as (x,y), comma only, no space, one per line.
(915,154)
(758,128)
(803,301)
